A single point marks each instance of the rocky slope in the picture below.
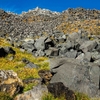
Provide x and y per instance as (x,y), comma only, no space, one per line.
(71,40)
(42,21)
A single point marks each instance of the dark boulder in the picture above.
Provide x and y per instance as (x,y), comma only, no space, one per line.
(4,51)
(49,43)
(58,89)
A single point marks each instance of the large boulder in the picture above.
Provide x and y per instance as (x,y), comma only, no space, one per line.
(10,83)
(88,46)
(77,76)
(35,94)
(84,57)
(28,45)
(39,44)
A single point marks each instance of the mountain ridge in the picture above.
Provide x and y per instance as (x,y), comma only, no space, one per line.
(45,21)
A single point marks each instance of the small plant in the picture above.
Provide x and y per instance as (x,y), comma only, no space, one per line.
(28,86)
(49,96)
(81,96)
(5,96)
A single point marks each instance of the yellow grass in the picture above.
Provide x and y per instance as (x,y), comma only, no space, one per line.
(18,66)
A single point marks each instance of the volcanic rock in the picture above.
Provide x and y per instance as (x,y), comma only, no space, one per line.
(58,89)
(77,76)
(10,83)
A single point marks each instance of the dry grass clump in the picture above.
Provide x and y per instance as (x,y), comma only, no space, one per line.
(18,66)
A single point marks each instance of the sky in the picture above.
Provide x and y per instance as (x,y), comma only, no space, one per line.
(18,6)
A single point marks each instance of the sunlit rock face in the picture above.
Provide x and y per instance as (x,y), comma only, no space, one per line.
(10,83)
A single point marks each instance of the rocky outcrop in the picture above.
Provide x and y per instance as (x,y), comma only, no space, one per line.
(39,11)
(41,33)
(82,77)
(35,94)
(10,83)
(43,86)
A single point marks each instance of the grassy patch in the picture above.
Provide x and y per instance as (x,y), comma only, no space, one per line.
(28,87)
(18,66)
(81,96)
(4,96)
(49,96)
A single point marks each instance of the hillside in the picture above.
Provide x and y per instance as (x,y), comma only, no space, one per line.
(57,53)
(41,20)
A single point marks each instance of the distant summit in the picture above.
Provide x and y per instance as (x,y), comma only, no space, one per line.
(40,11)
